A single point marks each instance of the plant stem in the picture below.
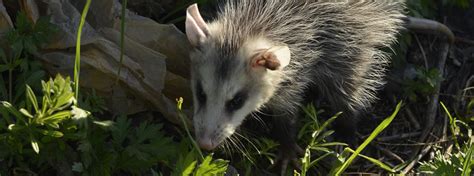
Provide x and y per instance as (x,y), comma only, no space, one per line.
(10,84)
(77,65)
(182,117)
(122,39)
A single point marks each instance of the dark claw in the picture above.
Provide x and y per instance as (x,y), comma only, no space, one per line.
(288,155)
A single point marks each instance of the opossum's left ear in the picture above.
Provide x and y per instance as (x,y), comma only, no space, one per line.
(196,29)
(275,58)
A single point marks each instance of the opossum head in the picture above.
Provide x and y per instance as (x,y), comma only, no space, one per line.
(229,82)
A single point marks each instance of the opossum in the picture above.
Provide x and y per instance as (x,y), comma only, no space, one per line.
(266,55)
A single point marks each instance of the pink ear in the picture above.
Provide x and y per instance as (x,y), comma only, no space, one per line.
(196,29)
(275,58)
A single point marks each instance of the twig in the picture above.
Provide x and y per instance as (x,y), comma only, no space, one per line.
(429,26)
(414,144)
(455,96)
(422,51)
(389,153)
(445,128)
(410,166)
(436,28)
(423,151)
(360,173)
(398,136)
(412,118)
(464,40)
(468,83)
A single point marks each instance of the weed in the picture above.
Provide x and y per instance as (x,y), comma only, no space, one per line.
(16,60)
(452,161)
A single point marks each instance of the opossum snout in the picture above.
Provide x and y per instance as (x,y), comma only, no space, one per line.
(206,143)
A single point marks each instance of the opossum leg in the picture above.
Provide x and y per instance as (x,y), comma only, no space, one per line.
(345,128)
(284,130)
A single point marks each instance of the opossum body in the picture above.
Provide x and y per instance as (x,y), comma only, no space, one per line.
(266,54)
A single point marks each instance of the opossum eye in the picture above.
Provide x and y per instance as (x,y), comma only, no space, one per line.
(201,96)
(237,102)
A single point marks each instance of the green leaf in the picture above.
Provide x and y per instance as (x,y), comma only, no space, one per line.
(29,45)
(64,100)
(330,144)
(46,95)
(452,124)
(210,167)
(79,114)
(54,119)
(324,135)
(185,166)
(189,170)
(77,167)
(5,115)
(32,98)
(314,162)
(375,161)
(120,129)
(26,113)
(34,144)
(12,110)
(52,133)
(105,123)
(58,116)
(322,149)
(326,124)
(468,162)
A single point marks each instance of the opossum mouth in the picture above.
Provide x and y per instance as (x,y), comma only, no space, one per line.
(207,144)
(211,142)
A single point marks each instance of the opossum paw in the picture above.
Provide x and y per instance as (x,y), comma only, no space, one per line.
(288,155)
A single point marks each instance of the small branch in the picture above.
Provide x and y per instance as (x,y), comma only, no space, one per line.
(448,38)
(412,118)
(389,153)
(421,25)
(422,51)
(417,158)
(464,40)
(399,136)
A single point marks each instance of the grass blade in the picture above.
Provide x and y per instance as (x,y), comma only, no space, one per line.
(372,136)
(452,126)
(77,64)
(467,164)
(376,162)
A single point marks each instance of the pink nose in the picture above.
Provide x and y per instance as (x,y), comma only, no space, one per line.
(206,144)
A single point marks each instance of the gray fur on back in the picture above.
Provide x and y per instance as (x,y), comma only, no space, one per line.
(335,46)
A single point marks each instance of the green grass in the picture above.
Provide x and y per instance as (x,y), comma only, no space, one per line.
(47,124)
(77,63)
(377,131)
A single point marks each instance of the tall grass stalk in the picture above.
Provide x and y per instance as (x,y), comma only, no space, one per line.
(122,38)
(77,64)
(452,126)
